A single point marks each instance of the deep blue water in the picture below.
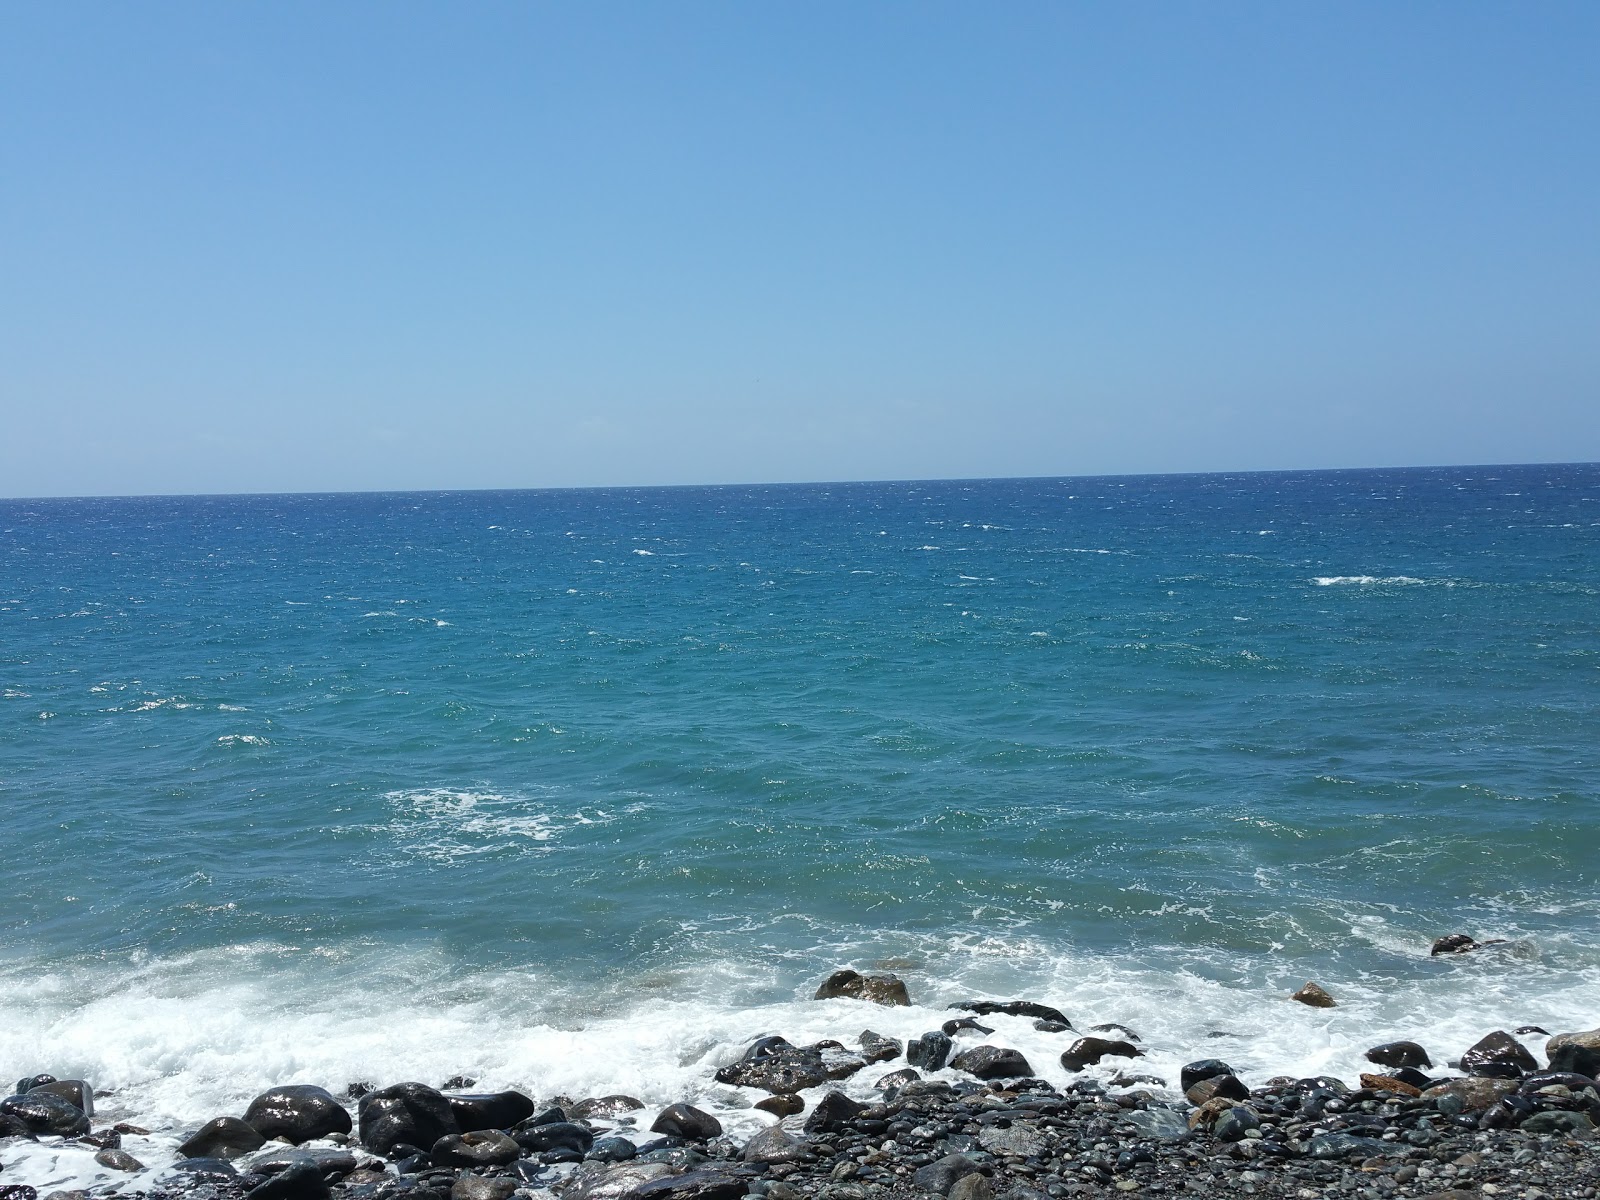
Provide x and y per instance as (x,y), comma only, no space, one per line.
(1065,735)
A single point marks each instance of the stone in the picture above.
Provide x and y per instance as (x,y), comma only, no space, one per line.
(1203,1068)
(302,1181)
(956,1028)
(1399,1054)
(1217,1087)
(1578,1053)
(707,1183)
(975,1186)
(1015,1008)
(476,1187)
(28,1082)
(605,1107)
(554,1135)
(280,1157)
(1052,1026)
(203,1168)
(1498,1055)
(490,1110)
(940,1176)
(1453,943)
(1559,1122)
(118,1160)
(688,1122)
(877,1048)
(1388,1083)
(1206,1114)
(773,1145)
(929,1052)
(1160,1123)
(992,1062)
(404,1112)
(297,1112)
(782,1105)
(833,1113)
(1469,1095)
(481,1148)
(1087,1051)
(222,1137)
(46,1113)
(605,1182)
(1342,1145)
(897,1079)
(1019,1141)
(782,1069)
(1315,995)
(11,1127)
(74,1091)
(1233,1123)
(888,990)
(612,1149)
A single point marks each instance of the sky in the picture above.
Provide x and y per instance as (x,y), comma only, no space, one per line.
(297,246)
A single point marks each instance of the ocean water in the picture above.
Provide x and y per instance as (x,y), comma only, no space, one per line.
(580,791)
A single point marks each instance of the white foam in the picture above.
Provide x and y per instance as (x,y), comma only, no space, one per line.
(1371,580)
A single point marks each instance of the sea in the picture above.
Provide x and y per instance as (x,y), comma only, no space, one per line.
(580,791)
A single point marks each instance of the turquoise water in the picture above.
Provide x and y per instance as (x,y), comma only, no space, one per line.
(287,779)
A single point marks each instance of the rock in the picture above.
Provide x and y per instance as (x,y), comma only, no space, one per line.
(1399,1054)
(1217,1087)
(118,1160)
(687,1122)
(1498,1055)
(929,1052)
(404,1112)
(1468,1095)
(1203,1068)
(1160,1123)
(941,1176)
(74,1091)
(1342,1145)
(1388,1083)
(783,1069)
(609,1183)
(605,1106)
(1206,1114)
(203,1168)
(11,1127)
(783,1105)
(298,1112)
(877,1048)
(556,1135)
(611,1149)
(897,1079)
(1315,995)
(302,1181)
(1087,1051)
(476,1187)
(1015,1008)
(772,1145)
(953,1029)
(1559,1122)
(1232,1124)
(1453,943)
(222,1137)
(879,989)
(1020,1141)
(280,1157)
(46,1113)
(1575,1052)
(992,1062)
(482,1148)
(708,1183)
(490,1110)
(1052,1026)
(975,1186)
(833,1113)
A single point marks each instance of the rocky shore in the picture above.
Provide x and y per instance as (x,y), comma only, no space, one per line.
(866,1121)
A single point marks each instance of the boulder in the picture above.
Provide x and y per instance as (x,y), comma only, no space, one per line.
(207,1169)
(480,1148)
(1234,1123)
(1575,1052)
(833,1113)
(611,1149)
(1087,1051)
(1498,1055)
(1128,1035)
(222,1137)
(1468,1095)
(972,1186)
(302,1181)
(956,1028)
(1015,1008)
(1453,943)
(1559,1122)
(46,1113)
(877,1048)
(773,1145)
(554,1135)
(1217,1087)
(785,1069)
(74,1091)
(1399,1054)
(1052,1026)
(929,1052)
(118,1160)
(896,1079)
(1315,995)
(280,1157)
(490,1110)
(476,1187)
(611,1182)
(688,1122)
(404,1112)
(879,989)
(782,1106)
(707,1183)
(28,1082)
(992,1062)
(1160,1123)
(298,1113)
(605,1107)
(1014,1141)
(1203,1068)
(1388,1083)
(941,1175)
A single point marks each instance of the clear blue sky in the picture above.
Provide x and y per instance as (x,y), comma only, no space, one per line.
(307,246)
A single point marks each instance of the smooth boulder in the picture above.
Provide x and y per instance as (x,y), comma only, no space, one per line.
(1578,1053)
(833,1113)
(1399,1054)
(223,1137)
(405,1112)
(1087,1051)
(490,1110)
(688,1122)
(888,990)
(605,1106)
(1315,995)
(46,1113)
(929,1052)
(74,1091)
(297,1113)
(992,1062)
(1204,1068)
(480,1148)
(1015,1008)
(1498,1055)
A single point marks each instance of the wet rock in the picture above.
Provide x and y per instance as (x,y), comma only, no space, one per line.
(15,1127)
(1399,1054)
(1217,1087)
(1233,1123)
(302,1181)
(1052,1026)
(1019,1141)
(612,1182)
(118,1160)
(28,1082)
(833,1112)
(1205,1115)
(1559,1122)
(1575,1052)
(279,1157)
(612,1149)
(74,1091)
(773,1145)
(1453,943)
(688,1122)
(879,989)
(1342,1145)
(706,1184)
(103,1139)
(404,1112)
(1160,1123)
(480,1148)
(788,1069)
(490,1110)
(897,1079)
(972,1187)
(1498,1055)
(223,1137)
(605,1107)
(1468,1095)
(964,1025)
(782,1105)
(929,1052)
(203,1168)
(1388,1083)
(476,1187)
(1087,1051)
(992,1062)
(941,1176)
(1015,1008)
(877,1048)
(555,1135)
(1200,1069)
(1567,1079)
(1315,995)
(298,1112)
(46,1113)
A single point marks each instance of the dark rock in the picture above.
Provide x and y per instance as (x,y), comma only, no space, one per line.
(1342,1145)
(558,1135)
(550,1116)
(791,1069)
(1412,1076)
(1052,1026)
(1559,1122)
(490,1110)
(992,1062)
(298,1112)
(458,1083)
(1498,1055)
(605,1106)
(1567,1079)
(688,1122)
(973,1186)
(302,1181)
(930,1051)
(28,1082)
(1215,1087)
(896,1079)
(773,1145)
(877,1048)
(203,1168)
(1468,1095)
(355,1091)
(15,1127)
(1575,1052)
(1388,1083)
(75,1091)
(1233,1123)
(1015,1008)
(279,1157)
(480,1148)
(1113,1027)
(612,1149)
(1453,943)
(941,1176)
(707,1184)
(612,1182)
(1203,1068)
(1399,1054)
(879,989)
(404,1112)
(476,1187)
(118,1160)
(965,1024)
(1522,1029)
(1085,1052)
(833,1112)
(222,1137)
(103,1139)
(1160,1123)
(782,1106)
(1315,995)
(46,1113)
